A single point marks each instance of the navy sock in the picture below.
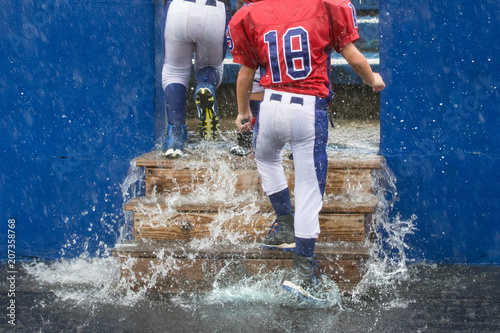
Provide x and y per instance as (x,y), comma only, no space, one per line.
(304,247)
(176,104)
(281,202)
(208,75)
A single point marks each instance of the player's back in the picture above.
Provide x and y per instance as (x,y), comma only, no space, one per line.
(283,11)
(292,39)
(315,16)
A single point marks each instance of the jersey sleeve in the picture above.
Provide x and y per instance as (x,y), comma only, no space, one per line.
(344,25)
(241,48)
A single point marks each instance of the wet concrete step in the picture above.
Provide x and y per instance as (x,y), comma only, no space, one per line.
(336,160)
(164,218)
(346,175)
(179,266)
(362,204)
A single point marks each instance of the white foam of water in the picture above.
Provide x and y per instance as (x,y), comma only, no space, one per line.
(131,188)
(387,262)
(213,185)
(85,281)
(266,289)
(397,304)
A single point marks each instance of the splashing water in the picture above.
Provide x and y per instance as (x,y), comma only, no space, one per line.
(387,264)
(84,281)
(87,280)
(131,187)
(264,288)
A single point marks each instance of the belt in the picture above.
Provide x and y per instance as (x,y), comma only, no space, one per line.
(293,100)
(299,100)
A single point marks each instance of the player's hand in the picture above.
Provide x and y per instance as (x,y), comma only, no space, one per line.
(243,121)
(378,83)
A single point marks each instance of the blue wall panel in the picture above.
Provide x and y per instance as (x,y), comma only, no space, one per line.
(77,100)
(77,104)
(440,124)
(63,206)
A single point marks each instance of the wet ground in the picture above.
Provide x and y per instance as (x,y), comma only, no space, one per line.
(347,135)
(79,296)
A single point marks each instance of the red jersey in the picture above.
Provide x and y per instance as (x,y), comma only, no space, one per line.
(292,40)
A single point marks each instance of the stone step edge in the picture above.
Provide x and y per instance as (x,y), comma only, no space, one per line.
(154,160)
(181,250)
(367,205)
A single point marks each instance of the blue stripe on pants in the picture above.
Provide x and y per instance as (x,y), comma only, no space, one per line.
(321,129)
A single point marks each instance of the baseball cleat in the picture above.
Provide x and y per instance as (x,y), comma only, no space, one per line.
(208,124)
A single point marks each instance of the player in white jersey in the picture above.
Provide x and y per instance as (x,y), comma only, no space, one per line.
(197,26)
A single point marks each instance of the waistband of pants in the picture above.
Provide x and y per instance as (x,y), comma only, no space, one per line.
(294,98)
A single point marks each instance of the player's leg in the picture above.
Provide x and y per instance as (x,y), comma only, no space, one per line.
(309,138)
(175,78)
(177,134)
(271,132)
(301,280)
(207,28)
(206,102)
(244,140)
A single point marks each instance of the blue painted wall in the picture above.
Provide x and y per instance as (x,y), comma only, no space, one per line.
(77,104)
(440,123)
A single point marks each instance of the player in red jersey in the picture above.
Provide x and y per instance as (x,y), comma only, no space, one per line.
(293,40)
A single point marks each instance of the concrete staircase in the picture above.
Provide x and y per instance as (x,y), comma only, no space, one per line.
(202,216)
